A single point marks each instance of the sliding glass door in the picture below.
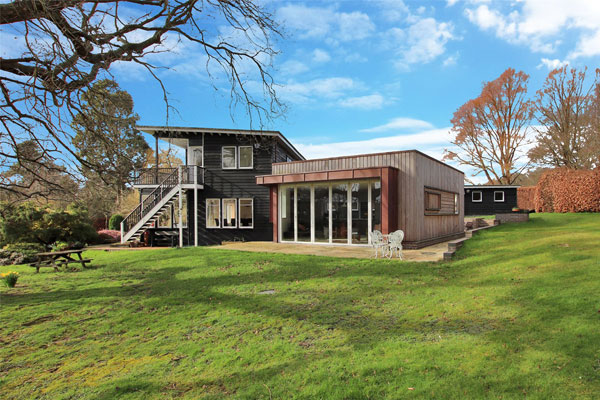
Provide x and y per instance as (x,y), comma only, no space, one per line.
(330,212)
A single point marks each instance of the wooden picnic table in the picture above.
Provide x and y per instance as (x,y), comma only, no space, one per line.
(56,259)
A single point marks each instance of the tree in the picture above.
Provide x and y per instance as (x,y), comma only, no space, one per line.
(564,107)
(35,176)
(106,137)
(491,129)
(59,48)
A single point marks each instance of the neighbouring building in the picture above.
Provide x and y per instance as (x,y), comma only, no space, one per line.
(490,199)
(340,200)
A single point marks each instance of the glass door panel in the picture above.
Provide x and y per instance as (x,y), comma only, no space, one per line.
(287,214)
(376,205)
(303,215)
(339,213)
(360,212)
(321,213)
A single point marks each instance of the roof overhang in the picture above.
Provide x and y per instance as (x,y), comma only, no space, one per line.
(323,176)
(492,186)
(175,134)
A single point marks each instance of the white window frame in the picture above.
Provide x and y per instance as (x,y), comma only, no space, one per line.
(218,201)
(223,214)
(480,196)
(234,157)
(239,158)
(239,219)
(499,201)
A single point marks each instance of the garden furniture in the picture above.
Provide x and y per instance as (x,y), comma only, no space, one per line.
(378,242)
(395,243)
(56,259)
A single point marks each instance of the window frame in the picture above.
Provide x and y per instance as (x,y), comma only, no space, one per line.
(223,214)
(239,201)
(239,157)
(503,197)
(218,201)
(234,157)
(456,204)
(480,196)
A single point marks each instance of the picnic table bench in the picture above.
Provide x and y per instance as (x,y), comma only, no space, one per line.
(56,259)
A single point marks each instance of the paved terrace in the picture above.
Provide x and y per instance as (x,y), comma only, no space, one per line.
(430,253)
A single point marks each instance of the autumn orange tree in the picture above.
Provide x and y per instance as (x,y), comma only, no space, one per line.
(491,130)
(567,113)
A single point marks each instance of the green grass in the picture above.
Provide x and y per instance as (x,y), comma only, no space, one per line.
(516,315)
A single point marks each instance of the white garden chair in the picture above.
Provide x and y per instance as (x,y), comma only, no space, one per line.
(395,243)
(378,242)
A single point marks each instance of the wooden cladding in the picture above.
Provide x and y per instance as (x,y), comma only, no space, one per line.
(323,176)
(440,202)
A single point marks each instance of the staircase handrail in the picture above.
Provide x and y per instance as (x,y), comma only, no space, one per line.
(135,216)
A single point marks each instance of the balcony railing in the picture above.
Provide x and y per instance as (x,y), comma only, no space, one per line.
(154,176)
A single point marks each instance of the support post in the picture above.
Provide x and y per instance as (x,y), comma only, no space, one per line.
(156,169)
(195,206)
(122,233)
(180,207)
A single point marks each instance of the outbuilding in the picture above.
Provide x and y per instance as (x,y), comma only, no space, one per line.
(490,199)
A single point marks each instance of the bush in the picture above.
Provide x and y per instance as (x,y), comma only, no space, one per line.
(563,190)
(10,278)
(26,222)
(20,253)
(114,223)
(109,236)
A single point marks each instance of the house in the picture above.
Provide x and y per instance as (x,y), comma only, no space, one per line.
(213,197)
(340,200)
(490,199)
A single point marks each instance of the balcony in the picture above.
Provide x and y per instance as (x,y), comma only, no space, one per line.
(152,177)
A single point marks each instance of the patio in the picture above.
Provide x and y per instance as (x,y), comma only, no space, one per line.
(430,253)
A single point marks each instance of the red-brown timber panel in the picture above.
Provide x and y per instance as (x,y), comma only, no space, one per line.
(272,179)
(333,175)
(273,211)
(367,173)
(315,176)
(293,178)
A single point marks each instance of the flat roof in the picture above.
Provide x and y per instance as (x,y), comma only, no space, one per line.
(374,154)
(164,131)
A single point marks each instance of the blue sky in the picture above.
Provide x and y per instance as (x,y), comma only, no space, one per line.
(370,76)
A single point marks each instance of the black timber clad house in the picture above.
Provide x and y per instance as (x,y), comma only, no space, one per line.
(489,199)
(218,183)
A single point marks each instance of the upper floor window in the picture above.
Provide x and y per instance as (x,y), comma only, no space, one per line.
(499,197)
(197,156)
(228,157)
(246,157)
(476,197)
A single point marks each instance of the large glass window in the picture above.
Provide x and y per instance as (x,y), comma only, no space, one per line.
(360,212)
(229,213)
(228,157)
(287,214)
(245,157)
(321,208)
(246,213)
(213,213)
(303,213)
(376,206)
(339,213)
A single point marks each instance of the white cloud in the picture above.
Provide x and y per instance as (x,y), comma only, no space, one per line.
(541,24)
(425,40)
(320,23)
(400,123)
(293,67)
(370,102)
(422,141)
(451,60)
(320,56)
(326,88)
(450,3)
(394,10)
(552,64)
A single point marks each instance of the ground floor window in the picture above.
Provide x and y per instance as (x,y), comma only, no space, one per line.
(330,212)
(229,213)
(499,196)
(246,213)
(213,213)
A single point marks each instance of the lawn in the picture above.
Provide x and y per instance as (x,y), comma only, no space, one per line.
(517,314)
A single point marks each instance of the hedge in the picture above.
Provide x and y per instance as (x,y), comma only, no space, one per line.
(563,190)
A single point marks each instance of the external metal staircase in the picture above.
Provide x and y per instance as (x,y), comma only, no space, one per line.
(164,196)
